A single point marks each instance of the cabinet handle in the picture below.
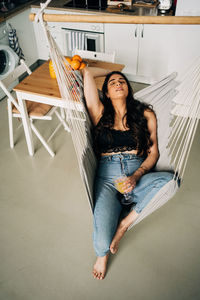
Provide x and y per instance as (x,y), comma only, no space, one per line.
(142,33)
(136,30)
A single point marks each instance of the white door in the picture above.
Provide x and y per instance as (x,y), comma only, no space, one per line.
(123,38)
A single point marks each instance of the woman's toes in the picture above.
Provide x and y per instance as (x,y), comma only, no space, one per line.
(99,269)
(95,274)
(100,276)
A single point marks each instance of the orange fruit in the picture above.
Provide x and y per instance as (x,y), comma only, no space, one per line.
(75,63)
(51,70)
(68,63)
(77,57)
(68,66)
(82,66)
(68,59)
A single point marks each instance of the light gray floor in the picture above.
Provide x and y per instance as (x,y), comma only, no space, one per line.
(46,247)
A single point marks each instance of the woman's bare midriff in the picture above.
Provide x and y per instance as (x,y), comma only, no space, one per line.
(126,152)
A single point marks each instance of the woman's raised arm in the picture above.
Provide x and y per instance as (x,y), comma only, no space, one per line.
(94,105)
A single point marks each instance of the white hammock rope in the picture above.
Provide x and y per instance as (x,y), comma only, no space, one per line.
(70,85)
(177,107)
(187,107)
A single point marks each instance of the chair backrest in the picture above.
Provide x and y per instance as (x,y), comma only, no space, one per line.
(8,81)
(109,57)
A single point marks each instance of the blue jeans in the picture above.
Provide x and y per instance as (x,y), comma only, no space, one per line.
(108,205)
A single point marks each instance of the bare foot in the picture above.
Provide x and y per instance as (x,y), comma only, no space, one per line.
(117,237)
(99,270)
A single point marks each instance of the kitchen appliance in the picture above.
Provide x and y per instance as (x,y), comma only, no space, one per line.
(164,5)
(8,58)
(83,36)
(145,7)
(88,4)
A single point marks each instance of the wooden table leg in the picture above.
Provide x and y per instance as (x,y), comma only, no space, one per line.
(26,124)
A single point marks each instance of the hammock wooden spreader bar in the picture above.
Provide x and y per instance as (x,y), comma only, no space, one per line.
(118,19)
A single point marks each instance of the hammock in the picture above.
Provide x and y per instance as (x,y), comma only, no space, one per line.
(176,101)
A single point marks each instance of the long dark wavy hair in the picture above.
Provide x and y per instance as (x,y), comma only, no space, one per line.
(133,119)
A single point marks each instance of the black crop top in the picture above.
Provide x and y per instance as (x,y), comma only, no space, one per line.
(112,140)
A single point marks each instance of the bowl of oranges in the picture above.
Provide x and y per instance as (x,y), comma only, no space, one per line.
(75,62)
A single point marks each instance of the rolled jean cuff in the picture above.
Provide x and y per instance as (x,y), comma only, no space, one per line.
(138,210)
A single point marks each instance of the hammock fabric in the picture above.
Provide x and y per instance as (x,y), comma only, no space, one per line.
(176,102)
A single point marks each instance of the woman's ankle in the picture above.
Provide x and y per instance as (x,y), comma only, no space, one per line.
(128,220)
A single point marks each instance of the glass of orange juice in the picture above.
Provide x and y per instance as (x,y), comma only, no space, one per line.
(119,185)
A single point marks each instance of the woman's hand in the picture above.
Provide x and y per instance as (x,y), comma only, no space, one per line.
(130,181)
(129,184)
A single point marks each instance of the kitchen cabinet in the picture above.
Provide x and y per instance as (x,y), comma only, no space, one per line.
(141,47)
(151,52)
(153,58)
(184,47)
(122,38)
(25,33)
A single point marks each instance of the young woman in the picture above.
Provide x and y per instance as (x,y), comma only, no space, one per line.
(125,140)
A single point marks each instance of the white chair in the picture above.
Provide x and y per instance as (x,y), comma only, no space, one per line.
(35,110)
(102,56)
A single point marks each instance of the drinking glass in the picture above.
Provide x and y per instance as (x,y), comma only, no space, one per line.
(118,182)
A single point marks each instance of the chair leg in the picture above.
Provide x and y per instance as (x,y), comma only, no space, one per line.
(66,127)
(44,143)
(10,124)
(54,132)
(62,113)
(62,122)
(26,124)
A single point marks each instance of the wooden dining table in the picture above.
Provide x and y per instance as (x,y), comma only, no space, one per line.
(40,87)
